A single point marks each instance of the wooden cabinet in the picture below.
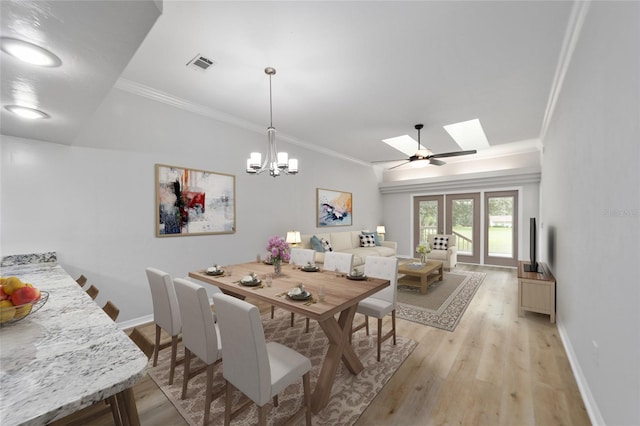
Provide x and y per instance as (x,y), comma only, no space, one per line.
(536,290)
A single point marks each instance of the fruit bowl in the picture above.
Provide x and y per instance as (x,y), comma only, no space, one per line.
(11,314)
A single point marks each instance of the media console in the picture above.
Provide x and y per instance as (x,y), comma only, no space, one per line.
(536,290)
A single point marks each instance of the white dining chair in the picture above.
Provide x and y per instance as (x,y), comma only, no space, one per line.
(257,368)
(166,315)
(299,257)
(382,303)
(335,260)
(200,337)
(302,257)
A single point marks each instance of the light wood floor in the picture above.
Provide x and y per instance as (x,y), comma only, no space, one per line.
(495,369)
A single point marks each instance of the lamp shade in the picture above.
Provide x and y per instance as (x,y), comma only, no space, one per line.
(380,229)
(293,237)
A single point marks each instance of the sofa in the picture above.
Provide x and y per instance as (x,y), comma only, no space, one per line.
(349,242)
(449,255)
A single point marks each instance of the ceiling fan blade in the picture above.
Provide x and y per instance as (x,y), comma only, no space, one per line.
(453,154)
(436,162)
(401,164)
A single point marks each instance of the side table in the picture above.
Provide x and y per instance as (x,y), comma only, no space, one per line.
(536,291)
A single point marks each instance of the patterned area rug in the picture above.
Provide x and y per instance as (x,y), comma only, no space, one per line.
(350,394)
(452,296)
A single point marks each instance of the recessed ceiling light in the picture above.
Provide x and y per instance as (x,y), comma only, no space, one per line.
(26,112)
(468,134)
(29,52)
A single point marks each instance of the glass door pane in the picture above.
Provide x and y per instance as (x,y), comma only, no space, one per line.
(463,214)
(500,228)
(427,217)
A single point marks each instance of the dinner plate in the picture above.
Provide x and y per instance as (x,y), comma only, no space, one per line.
(357,277)
(302,296)
(251,283)
(215,273)
(310,268)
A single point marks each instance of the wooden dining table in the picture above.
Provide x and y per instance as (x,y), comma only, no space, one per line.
(66,356)
(341,297)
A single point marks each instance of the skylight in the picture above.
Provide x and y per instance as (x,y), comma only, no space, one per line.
(405,144)
(468,134)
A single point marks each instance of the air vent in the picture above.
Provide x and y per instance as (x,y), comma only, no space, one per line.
(200,63)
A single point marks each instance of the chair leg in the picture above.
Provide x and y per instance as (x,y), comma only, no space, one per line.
(115,411)
(379,337)
(227,404)
(187,373)
(272,311)
(209,394)
(292,315)
(306,384)
(262,415)
(366,322)
(174,354)
(306,329)
(156,349)
(275,400)
(393,324)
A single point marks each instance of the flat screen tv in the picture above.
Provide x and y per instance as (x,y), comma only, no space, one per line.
(533,265)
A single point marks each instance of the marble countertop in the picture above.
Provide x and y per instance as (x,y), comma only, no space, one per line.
(65,356)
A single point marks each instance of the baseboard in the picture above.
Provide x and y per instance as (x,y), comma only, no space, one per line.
(125,325)
(587,397)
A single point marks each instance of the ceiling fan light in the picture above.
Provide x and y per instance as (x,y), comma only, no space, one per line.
(423,152)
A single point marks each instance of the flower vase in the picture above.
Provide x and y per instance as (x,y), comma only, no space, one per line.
(277,266)
(423,258)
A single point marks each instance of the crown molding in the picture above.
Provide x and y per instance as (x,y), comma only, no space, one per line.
(500,178)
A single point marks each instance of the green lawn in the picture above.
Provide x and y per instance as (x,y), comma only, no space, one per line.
(500,241)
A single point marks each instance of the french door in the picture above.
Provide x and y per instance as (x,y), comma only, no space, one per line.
(463,222)
(428,217)
(501,228)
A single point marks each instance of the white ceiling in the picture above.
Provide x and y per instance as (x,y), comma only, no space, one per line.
(349,74)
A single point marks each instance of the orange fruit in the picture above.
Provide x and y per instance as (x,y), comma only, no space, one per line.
(12,284)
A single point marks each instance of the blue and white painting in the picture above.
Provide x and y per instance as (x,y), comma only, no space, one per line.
(335,208)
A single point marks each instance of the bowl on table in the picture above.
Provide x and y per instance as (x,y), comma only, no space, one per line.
(12,314)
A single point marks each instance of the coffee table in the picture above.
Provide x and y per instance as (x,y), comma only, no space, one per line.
(427,274)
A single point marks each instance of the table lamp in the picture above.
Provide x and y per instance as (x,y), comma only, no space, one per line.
(381,231)
(293,238)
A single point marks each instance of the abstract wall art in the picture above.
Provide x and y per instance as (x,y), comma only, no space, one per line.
(334,208)
(194,202)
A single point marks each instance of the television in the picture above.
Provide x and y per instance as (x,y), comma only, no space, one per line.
(533,265)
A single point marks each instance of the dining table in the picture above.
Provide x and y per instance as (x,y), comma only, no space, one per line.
(65,356)
(333,303)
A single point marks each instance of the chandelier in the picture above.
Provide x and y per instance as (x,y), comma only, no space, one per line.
(275,162)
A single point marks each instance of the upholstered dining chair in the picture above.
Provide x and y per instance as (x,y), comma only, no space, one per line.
(383,302)
(335,260)
(257,368)
(200,337)
(166,315)
(81,280)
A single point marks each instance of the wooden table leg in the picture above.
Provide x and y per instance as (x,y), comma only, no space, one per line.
(441,273)
(338,333)
(424,283)
(128,408)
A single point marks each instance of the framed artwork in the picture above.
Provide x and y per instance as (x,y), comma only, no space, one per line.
(194,202)
(334,208)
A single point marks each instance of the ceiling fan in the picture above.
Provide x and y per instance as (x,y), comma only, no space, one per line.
(426,154)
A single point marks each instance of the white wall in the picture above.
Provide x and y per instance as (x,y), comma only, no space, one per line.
(590,196)
(96,206)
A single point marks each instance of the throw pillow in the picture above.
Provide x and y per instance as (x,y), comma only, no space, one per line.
(316,244)
(440,242)
(375,236)
(326,245)
(367,241)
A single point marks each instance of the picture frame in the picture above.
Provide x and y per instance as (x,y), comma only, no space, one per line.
(333,208)
(194,202)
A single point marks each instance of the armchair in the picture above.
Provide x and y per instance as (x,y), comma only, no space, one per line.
(448,256)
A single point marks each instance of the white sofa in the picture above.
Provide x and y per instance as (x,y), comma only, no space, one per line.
(448,257)
(349,242)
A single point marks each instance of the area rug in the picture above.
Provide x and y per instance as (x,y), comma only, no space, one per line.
(351,394)
(444,302)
